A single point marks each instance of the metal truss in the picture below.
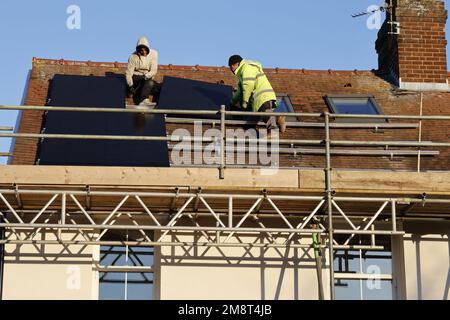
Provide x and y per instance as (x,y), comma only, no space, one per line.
(210,220)
(68,210)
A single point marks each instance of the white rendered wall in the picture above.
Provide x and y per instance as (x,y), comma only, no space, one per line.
(204,273)
(50,272)
(427,263)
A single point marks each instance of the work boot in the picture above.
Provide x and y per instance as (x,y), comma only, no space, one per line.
(145,102)
(281,122)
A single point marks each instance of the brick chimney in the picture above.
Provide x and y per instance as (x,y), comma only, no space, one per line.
(411,45)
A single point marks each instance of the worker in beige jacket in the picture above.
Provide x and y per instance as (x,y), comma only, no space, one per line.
(142,68)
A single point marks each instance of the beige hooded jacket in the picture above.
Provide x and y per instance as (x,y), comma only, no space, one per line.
(140,65)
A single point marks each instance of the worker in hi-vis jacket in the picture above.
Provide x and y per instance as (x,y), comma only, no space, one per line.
(255,93)
(141,70)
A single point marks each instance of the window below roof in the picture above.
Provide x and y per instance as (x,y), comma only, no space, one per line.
(284,103)
(126,272)
(131,285)
(354,104)
(364,274)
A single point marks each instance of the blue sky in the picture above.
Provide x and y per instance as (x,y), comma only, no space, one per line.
(284,33)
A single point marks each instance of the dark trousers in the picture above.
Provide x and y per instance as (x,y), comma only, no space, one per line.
(145,88)
(268,105)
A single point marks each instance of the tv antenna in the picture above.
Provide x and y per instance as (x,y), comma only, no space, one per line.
(394,26)
(381,9)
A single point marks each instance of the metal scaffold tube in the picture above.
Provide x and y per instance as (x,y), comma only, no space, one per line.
(210,112)
(222,143)
(329,203)
(183,244)
(159,228)
(170,138)
(111,110)
(299,124)
(155,244)
(239,196)
(402,117)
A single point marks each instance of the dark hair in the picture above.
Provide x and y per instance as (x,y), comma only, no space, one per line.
(234,59)
(138,48)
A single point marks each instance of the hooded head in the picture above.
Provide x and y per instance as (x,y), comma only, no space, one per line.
(143,42)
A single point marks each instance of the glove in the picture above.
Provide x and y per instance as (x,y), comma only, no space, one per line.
(244,105)
(234,105)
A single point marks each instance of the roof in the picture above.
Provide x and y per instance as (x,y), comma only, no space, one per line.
(306,89)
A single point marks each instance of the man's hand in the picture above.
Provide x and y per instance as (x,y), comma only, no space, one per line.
(244,105)
(234,106)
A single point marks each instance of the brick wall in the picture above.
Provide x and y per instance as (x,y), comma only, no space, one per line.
(418,53)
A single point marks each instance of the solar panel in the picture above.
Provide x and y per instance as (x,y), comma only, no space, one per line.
(186,94)
(91,91)
(81,91)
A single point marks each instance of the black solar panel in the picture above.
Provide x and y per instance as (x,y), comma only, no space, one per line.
(186,94)
(81,91)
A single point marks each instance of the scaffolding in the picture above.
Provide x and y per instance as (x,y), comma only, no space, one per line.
(218,217)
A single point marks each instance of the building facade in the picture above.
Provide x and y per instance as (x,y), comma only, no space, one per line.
(352,207)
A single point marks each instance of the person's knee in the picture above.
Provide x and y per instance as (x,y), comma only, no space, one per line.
(151,83)
(154,86)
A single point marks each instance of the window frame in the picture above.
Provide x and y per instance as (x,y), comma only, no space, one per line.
(360,276)
(334,109)
(127,253)
(288,102)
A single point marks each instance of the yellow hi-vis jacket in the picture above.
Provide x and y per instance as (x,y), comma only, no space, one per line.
(254,87)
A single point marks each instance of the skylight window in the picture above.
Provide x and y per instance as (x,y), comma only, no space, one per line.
(354,105)
(284,104)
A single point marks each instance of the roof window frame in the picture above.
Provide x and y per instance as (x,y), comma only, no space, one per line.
(333,108)
(288,102)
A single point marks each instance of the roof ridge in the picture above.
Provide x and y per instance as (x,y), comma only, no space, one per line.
(192,68)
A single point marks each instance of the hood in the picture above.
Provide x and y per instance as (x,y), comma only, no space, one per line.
(257,64)
(143,41)
(254,63)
